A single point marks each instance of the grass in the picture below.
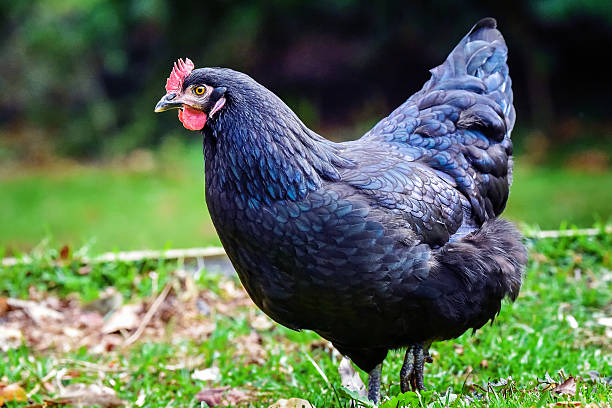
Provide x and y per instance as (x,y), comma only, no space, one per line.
(552,326)
(546,195)
(155,200)
(149,202)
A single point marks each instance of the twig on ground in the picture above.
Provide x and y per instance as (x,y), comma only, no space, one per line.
(87,366)
(147,318)
(218,252)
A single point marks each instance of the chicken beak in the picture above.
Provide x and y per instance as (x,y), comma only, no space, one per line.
(167,102)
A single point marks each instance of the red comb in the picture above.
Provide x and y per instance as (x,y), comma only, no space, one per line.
(181,70)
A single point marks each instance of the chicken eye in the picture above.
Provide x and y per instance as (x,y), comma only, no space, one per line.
(200,90)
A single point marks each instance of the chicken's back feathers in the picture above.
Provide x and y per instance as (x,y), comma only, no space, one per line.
(413,192)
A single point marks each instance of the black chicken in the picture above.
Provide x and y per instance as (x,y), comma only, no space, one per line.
(386,242)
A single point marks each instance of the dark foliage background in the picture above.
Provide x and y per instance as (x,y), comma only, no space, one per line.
(80,78)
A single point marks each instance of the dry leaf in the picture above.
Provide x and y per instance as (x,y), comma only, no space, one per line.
(458,349)
(108,343)
(484,364)
(565,404)
(84,270)
(189,363)
(604,321)
(83,395)
(567,387)
(10,339)
(36,311)
(222,396)
(125,318)
(12,392)
(91,320)
(3,306)
(66,325)
(571,321)
(261,322)
(322,344)
(47,404)
(64,252)
(109,301)
(594,376)
(208,374)
(140,401)
(250,348)
(292,403)
(350,378)
(231,290)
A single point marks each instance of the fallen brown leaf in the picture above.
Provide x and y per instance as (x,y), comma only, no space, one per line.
(84,270)
(350,378)
(188,363)
(110,300)
(82,395)
(222,396)
(108,343)
(3,306)
(565,404)
(90,320)
(230,289)
(142,397)
(261,322)
(250,348)
(64,252)
(125,318)
(292,403)
(10,338)
(322,344)
(567,387)
(47,323)
(604,321)
(207,374)
(48,404)
(571,321)
(12,392)
(36,311)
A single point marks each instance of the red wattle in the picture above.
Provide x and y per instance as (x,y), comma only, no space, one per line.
(192,119)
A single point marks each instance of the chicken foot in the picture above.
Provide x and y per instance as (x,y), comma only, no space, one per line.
(411,374)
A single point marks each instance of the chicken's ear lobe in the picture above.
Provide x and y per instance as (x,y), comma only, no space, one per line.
(219,94)
(218,105)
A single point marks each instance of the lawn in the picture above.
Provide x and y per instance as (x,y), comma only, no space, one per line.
(155,200)
(145,201)
(205,334)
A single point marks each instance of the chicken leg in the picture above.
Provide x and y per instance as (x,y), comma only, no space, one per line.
(411,374)
(374,384)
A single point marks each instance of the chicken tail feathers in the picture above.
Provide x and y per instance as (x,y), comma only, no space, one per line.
(490,260)
(460,122)
(478,64)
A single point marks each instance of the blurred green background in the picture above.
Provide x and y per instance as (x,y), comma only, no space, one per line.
(84,160)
